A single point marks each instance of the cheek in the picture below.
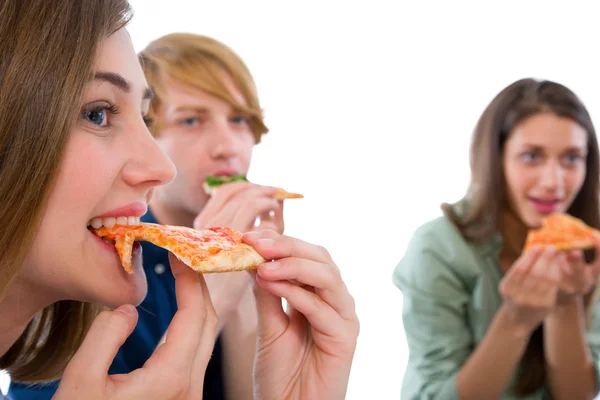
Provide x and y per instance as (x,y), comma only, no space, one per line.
(517,179)
(85,179)
(575,180)
(245,146)
(83,182)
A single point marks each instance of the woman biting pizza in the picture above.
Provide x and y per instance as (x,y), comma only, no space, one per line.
(486,317)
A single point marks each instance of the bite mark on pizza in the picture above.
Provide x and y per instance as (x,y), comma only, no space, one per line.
(218,249)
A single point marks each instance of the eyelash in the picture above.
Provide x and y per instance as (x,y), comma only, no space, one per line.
(111,108)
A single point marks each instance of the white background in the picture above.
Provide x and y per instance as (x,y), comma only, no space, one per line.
(371,106)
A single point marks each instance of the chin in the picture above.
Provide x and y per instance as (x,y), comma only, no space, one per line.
(132,292)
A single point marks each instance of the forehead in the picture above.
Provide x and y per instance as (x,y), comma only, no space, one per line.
(550,131)
(116,54)
(177,93)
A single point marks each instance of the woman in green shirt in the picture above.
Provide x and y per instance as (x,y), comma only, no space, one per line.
(484,319)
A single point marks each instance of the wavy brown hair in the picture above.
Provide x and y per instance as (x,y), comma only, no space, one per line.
(199,61)
(487,197)
(47,53)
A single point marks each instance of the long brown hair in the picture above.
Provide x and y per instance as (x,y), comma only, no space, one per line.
(199,61)
(47,52)
(487,197)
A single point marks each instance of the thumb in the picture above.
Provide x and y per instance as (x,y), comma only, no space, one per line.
(108,332)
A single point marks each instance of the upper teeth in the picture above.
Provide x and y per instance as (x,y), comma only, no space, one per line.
(109,222)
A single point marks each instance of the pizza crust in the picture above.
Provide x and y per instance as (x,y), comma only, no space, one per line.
(281,194)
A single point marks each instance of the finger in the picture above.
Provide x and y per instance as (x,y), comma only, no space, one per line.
(522,266)
(545,265)
(272,319)
(567,276)
(240,210)
(107,334)
(596,261)
(222,195)
(226,193)
(575,255)
(206,346)
(273,219)
(273,246)
(186,328)
(319,314)
(248,208)
(325,278)
(567,270)
(512,284)
(543,294)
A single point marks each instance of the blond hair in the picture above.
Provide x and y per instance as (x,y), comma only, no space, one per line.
(46,58)
(199,61)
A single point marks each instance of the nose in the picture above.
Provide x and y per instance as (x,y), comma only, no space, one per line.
(148,165)
(552,176)
(222,140)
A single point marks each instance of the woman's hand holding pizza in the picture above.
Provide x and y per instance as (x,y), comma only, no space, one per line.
(175,370)
(307,351)
(578,277)
(530,287)
(568,233)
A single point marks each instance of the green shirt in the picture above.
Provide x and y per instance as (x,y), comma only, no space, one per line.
(450,296)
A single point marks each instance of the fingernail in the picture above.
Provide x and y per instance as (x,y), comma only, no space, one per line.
(266,242)
(271,266)
(127,309)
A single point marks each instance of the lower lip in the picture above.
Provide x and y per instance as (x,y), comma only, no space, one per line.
(543,207)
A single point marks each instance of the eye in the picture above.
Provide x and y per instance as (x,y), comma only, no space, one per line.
(530,156)
(98,114)
(97,117)
(574,158)
(148,121)
(189,121)
(239,119)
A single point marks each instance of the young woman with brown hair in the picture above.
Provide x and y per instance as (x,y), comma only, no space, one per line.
(484,319)
(74,146)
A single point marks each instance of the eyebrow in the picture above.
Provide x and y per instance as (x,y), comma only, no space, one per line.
(196,109)
(568,149)
(121,83)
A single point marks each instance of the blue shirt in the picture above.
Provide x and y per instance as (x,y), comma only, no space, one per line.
(155,315)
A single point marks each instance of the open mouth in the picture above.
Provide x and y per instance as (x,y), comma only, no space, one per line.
(547,205)
(109,222)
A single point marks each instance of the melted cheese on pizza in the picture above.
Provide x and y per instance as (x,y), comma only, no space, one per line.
(218,249)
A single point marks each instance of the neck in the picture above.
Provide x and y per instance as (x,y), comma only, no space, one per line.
(514,234)
(17,309)
(168,215)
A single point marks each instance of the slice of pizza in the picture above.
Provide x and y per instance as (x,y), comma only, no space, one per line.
(564,232)
(213,182)
(218,249)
